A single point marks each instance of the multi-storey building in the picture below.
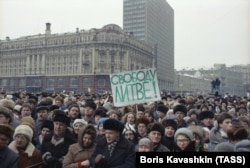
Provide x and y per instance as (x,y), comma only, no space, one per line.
(79,61)
(191,84)
(152,21)
(231,81)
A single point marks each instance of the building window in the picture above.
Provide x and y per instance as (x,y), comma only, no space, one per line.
(4,82)
(22,82)
(50,82)
(73,81)
(61,82)
(101,82)
(86,81)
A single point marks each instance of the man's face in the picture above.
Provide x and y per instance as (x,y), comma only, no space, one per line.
(59,128)
(74,112)
(4,141)
(180,115)
(155,136)
(42,115)
(111,135)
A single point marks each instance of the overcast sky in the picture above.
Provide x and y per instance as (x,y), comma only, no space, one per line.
(206,31)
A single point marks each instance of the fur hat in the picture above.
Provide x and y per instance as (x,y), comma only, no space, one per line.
(113,124)
(237,133)
(180,107)
(90,104)
(47,124)
(156,127)
(6,130)
(169,122)
(24,130)
(142,120)
(146,142)
(184,131)
(82,121)
(62,117)
(242,146)
(162,108)
(29,121)
(7,103)
(206,114)
(7,112)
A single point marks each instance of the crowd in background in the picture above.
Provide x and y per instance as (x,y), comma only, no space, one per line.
(75,131)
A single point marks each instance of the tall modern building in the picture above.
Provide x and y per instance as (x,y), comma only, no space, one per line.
(152,21)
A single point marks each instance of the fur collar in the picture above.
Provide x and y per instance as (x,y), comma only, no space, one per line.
(29,150)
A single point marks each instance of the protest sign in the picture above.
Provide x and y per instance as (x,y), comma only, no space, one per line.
(134,87)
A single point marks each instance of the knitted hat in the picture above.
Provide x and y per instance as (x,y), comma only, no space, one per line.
(17,108)
(242,146)
(82,121)
(113,124)
(6,130)
(162,108)
(146,142)
(224,147)
(101,121)
(24,130)
(48,124)
(169,122)
(184,131)
(7,112)
(156,127)
(206,114)
(180,107)
(60,116)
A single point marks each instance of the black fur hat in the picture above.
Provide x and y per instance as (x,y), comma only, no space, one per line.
(113,124)
(180,107)
(206,114)
(156,127)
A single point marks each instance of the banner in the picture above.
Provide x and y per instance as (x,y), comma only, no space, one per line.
(134,87)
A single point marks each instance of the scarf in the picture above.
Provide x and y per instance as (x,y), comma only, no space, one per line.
(112,145)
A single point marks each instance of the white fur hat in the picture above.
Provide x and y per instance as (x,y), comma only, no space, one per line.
(24,130)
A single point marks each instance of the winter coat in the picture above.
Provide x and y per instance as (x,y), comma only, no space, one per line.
(216,136)
(57,149)
(8,158)
(161,148)
(77,152)
(168,142)
(31,156)
(122,157)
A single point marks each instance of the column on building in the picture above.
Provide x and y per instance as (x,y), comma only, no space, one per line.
(27,71)
(43,64)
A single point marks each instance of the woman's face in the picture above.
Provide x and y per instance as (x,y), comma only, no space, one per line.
(77,127)
(131,119)
(169,131)
(87,140)
(182,141)
(129,135)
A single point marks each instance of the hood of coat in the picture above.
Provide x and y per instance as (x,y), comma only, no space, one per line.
(87,129)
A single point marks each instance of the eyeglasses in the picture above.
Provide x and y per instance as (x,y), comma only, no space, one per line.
(20,137)
(183,140)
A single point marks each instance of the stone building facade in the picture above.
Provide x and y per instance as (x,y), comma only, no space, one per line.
(79,61)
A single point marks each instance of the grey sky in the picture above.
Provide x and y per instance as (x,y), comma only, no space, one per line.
(206,31)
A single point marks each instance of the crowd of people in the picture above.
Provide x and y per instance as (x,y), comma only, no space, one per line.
(75,131)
